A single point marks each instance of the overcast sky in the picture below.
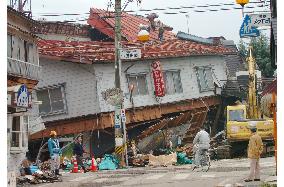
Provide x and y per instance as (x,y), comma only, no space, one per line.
(222,23)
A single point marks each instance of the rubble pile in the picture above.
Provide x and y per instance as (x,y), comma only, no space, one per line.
(140,160)
(37,178)
(45,166)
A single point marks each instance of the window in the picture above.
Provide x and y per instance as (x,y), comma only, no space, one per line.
(139,83)
(53,100)
(19,138)
(9,46)
(172,82)
(205,78)
(26,47)
(236,115)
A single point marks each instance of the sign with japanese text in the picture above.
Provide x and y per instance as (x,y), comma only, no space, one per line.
(127,54)
(117,117)
(158,78)
(123,116)
(259,20)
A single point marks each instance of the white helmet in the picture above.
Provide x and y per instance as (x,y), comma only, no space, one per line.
(252,125)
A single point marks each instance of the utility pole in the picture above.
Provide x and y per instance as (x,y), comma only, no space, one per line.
(117,67)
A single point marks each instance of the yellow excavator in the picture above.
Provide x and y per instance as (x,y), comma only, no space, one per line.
(239,117)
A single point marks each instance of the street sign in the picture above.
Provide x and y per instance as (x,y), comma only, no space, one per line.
(123,119)
(117,117)
(260,20)
(247,29)
(23,97)
(128,54)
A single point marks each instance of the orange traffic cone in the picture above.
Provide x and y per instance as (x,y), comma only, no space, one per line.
(94,165)
(75,168)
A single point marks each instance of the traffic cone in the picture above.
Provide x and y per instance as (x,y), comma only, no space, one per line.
(94,165)
(75,168)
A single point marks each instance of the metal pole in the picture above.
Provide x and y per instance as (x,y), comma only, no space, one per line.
(117,67)
(187,22)
(275,126)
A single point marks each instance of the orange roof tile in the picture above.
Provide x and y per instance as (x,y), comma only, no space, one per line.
(104,21)
(93,51)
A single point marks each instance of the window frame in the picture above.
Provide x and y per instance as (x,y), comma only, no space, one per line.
(138,90)
(63,96)
(23,135)
(204,68)
(175,86)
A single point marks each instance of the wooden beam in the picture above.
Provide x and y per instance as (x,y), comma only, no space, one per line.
(106,120)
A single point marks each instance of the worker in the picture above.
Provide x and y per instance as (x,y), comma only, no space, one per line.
(255,148)
(201,144)
(55,152)
(78,151)
(179,141)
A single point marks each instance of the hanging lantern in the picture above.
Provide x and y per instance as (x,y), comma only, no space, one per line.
(242,2)
(143,36)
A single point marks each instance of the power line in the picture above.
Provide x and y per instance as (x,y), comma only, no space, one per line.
(171,8)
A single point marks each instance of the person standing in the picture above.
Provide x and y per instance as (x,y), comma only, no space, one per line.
(78,151)
(255,148)
(179,141)
(54,152)
(201,143)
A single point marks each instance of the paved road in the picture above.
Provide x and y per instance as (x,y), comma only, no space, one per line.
(226,173)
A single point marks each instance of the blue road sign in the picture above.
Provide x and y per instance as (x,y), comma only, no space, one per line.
(117,126)
(247,28)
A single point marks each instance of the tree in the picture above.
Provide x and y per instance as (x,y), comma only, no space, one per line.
(261,53)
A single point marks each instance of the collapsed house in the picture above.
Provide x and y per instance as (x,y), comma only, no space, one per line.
(75,73)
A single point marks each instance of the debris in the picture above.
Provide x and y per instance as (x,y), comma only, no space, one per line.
(162,160)
(140,160)
(38,177)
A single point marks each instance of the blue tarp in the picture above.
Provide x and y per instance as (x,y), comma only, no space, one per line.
(33,169)
(109,162)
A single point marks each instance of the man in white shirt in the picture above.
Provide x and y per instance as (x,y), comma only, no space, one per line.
(201,143)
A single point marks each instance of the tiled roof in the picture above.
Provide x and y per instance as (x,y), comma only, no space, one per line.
(94,51)
(104,21)
(56,27)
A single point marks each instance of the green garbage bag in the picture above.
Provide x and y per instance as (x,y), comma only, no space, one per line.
(183,159)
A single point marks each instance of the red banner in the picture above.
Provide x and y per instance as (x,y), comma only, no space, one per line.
(158,79)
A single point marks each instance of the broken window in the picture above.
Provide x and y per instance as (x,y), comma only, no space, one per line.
(19,133)
(172,82)
(53,100)
(205,78)
(139,83)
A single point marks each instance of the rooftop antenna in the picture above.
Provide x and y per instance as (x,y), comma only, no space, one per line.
(187,22)
(24,6)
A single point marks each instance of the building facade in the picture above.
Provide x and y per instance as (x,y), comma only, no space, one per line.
(22,76)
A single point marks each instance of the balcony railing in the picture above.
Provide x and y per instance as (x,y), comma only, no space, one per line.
(23,69)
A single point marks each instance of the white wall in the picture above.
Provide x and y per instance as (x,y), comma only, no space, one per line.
(105,74)
(80,88)
(14,158)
